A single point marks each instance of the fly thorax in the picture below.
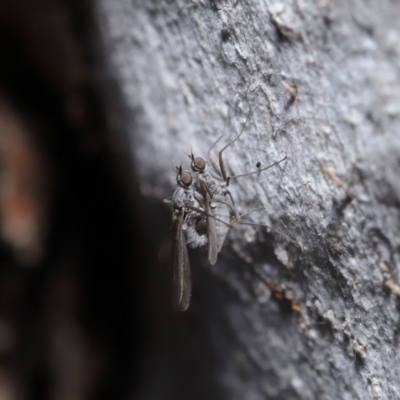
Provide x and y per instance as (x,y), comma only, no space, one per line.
(209,180)
(224,189)
(178,198)
(189,197)
(211,186)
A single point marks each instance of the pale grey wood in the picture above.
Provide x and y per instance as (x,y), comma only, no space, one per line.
(180,64)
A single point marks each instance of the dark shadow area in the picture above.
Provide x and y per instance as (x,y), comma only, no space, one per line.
(85,308)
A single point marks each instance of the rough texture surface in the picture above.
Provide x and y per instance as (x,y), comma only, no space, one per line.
(182,66)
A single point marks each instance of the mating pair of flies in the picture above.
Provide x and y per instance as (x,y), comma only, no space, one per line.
(206,202)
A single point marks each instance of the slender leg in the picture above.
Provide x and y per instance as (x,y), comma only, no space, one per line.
(254,172)
(222,169)
(238,220)
(211,226)
(211,159)
(221,161)
(235,211)
(206,214)
(295,242)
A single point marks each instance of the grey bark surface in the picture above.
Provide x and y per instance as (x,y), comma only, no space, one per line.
(182,66)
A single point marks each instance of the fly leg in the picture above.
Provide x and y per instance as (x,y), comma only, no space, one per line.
(211,226)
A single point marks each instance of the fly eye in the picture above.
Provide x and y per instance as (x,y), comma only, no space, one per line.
(186,178)
(199,164)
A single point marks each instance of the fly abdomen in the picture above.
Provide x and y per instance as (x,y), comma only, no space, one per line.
(221,213)
(194,239)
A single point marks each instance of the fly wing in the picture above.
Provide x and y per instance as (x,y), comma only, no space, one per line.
(211,225)
(181,283)
(164,251)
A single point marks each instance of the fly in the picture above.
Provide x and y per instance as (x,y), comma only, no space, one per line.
(206,201)
(213,187)
(186,212)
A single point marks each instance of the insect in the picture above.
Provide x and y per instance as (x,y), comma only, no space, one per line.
(193,204)
(213,187)
(188,207)
(206,201)
(181,233)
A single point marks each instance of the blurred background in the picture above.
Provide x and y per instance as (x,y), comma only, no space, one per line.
(85,310)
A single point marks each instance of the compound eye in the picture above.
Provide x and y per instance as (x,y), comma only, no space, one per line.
(186,178)
(199,164)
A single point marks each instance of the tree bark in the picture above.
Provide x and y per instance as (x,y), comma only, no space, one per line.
(321,82)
